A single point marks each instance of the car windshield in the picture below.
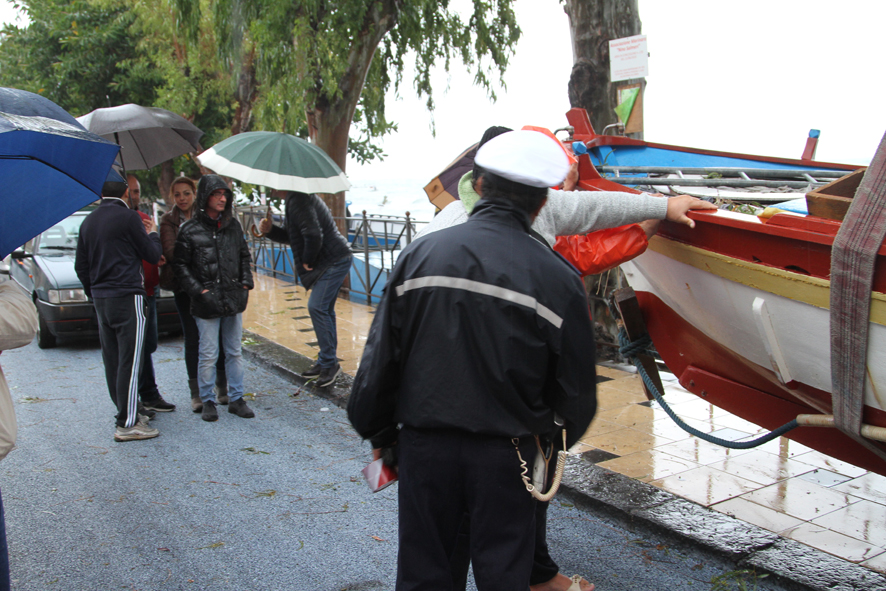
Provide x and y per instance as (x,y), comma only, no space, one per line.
(62,236)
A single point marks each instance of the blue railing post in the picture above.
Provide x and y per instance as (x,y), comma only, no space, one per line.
(366,259)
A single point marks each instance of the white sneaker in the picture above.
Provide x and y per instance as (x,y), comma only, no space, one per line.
(140,430)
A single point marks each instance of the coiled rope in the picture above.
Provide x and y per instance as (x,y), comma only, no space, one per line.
(632,349)
(558,472)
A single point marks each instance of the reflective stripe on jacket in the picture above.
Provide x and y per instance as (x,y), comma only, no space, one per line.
(482,328)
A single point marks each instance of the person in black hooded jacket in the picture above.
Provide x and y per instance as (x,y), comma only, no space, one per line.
(322,259)
(212,264)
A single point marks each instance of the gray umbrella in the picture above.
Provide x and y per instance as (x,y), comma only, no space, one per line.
(147,136)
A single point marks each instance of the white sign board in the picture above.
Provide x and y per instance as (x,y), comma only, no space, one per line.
(628,58)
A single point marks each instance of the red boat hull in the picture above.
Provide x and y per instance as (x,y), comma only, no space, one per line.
(728,381)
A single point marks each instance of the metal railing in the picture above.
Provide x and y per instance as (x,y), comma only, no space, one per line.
(374,239)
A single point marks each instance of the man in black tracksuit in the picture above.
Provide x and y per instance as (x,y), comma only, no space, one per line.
(510,317)
(112,244)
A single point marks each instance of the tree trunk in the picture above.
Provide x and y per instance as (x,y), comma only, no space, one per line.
(164,182)
(329,122)
(593,23)
(245,93)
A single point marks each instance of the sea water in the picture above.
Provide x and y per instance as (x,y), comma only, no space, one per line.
(390,197)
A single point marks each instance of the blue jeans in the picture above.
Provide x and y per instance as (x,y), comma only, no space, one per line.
(228,330)
(321,307)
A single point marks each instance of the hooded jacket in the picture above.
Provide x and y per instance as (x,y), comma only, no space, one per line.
(481,329)
(213,255)
(313,236)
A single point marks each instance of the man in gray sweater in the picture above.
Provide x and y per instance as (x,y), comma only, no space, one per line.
(568,213)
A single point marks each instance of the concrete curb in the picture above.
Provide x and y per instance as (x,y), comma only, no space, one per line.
(289,365)
(635,502)
(632,501)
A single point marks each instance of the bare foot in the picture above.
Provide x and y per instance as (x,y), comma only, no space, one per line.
(561,583)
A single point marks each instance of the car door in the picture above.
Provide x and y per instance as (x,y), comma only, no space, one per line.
(22,269)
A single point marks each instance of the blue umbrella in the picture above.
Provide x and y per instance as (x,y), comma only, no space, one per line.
(49,169)
(22,102)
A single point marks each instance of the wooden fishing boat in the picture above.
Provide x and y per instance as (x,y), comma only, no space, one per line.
(742,309)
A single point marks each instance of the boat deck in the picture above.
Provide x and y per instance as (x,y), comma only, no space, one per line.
(781,486)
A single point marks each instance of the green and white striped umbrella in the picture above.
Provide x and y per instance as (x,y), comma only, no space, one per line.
(276,160)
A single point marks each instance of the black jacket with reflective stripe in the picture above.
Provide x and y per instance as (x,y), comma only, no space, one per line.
(481,328)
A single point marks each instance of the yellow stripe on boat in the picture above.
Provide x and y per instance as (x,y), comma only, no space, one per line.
(795,286)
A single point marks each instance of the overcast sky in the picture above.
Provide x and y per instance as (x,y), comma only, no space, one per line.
(749,76)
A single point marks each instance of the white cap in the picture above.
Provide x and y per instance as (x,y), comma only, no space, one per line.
(525,157)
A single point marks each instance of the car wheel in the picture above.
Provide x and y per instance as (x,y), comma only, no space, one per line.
(45,339)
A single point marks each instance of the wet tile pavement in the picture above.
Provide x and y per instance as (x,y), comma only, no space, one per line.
(782,486)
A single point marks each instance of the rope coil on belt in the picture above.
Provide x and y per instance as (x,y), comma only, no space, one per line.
(631,349)
(558,472)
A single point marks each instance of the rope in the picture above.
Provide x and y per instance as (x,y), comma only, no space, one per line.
(558,472)
(632,349)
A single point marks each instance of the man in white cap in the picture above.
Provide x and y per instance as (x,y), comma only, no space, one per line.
(508,315)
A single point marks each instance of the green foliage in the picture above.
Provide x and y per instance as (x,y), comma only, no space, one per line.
(78,54)
(194,81)
(232,65)
(310,54)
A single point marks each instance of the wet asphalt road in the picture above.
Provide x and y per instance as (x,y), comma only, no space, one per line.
(272,503)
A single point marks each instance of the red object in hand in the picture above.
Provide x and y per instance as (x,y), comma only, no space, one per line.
(602,250)
(379,476)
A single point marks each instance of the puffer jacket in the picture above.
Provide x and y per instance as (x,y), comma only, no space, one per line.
(313,236)
(169,226)
(212,255)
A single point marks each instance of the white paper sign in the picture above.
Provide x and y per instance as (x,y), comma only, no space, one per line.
(628,58)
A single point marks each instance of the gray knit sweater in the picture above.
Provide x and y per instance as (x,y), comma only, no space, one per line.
(567,213)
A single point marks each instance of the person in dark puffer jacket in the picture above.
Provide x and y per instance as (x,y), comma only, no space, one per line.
(212,264)
(322,258)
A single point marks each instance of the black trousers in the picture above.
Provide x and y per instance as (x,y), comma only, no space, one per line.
(543,566)
(147,383)
(445,475)
(121,326)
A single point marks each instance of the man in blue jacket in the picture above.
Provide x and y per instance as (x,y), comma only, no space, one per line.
(511,318)
(112,244)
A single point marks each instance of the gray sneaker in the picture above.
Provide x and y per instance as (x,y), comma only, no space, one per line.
(140,430)
(313,371)
(328,375)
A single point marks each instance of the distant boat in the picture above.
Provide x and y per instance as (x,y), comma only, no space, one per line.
(738,308)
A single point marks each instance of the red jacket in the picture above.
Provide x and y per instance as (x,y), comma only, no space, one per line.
(152,272)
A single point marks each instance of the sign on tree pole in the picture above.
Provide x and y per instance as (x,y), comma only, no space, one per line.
(628,58)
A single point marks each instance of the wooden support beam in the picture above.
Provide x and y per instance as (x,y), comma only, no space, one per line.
(635,327)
